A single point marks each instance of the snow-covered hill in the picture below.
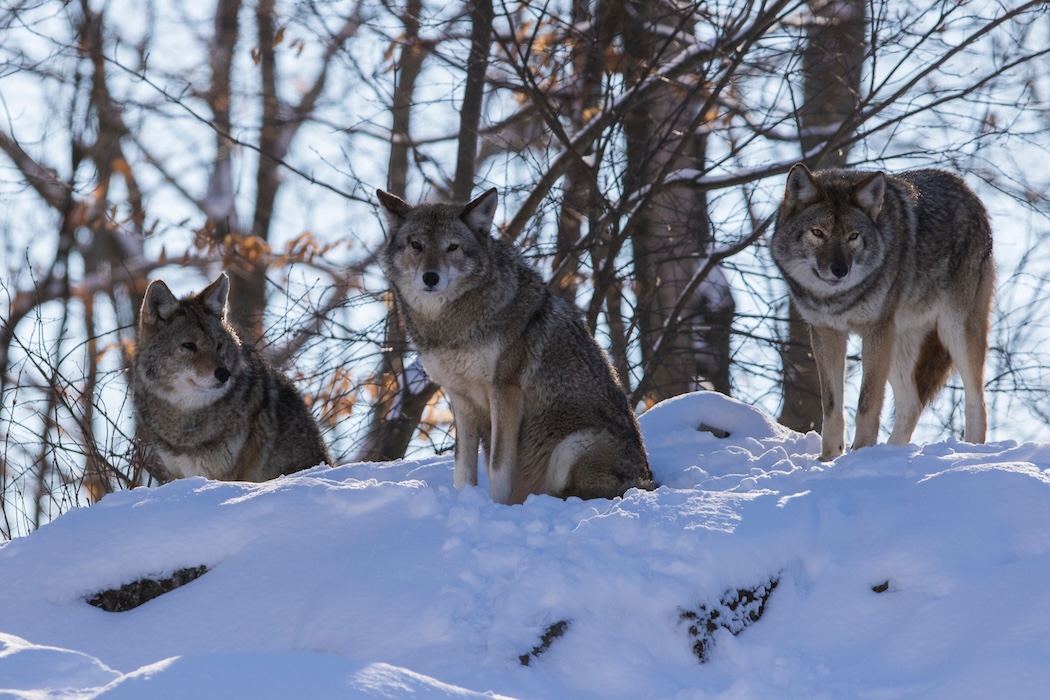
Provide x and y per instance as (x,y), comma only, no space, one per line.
(893,572)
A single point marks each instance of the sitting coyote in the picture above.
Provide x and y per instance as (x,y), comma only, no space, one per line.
(207,402)
(525,378)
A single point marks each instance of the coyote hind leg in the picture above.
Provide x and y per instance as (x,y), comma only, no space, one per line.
(920,366)
(968,346)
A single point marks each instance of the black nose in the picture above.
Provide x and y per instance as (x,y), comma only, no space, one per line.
(222,374)
(840,269)
(431,279)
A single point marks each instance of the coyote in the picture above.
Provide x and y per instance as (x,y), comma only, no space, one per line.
(905,261)
(207,402)
(525,377)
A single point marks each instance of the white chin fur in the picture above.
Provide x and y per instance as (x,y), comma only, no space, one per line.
(187,393)
(426,303)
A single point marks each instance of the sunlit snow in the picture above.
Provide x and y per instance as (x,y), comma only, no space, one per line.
(904,572)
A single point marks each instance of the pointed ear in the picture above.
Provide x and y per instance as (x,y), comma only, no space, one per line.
(870,193)
(216,296)
(157,306)
(479,213)
(396,208)
(801,189)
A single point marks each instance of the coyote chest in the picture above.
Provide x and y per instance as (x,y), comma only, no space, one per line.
(874,308)
(219,461)
(470,371)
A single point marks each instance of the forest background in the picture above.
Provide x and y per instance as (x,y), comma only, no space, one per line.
(639,148)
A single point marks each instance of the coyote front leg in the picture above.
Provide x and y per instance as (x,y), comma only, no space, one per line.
(505,404)
(876,358)
(468,437)
(829,351)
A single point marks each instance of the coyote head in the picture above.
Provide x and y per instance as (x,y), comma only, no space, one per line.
(436,252)
(826,227)
(187,353)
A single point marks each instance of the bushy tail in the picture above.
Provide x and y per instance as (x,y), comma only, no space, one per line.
(931,368)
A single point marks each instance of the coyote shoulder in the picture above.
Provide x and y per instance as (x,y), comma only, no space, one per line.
(905,261)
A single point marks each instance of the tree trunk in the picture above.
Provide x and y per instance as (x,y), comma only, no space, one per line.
(481,17)
(672,233)
(399,403)
(248,286)
(831,68)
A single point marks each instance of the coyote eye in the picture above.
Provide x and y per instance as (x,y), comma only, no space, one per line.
(854,236)
(452,247)
(416,245)
(816,233)
(192,347)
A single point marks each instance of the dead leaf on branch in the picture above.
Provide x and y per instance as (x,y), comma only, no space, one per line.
(303,248)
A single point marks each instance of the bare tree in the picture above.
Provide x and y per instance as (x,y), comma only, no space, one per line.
(405,391)
(686,347)
(104,216)
(639,147)
(832,60)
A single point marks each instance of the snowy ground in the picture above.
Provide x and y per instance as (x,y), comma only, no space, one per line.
(382,581)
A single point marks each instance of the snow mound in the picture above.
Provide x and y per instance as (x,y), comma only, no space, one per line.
(914,572)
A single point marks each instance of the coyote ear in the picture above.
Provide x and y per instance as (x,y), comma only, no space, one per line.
(396,208)
(801,189)
(479,213)
(216,295)
(870,193)
(157,306)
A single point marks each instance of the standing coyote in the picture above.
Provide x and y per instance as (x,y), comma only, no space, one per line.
(207,402)
(906,262)
(525,378)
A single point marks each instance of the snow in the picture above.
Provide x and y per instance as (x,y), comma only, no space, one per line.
(383,581)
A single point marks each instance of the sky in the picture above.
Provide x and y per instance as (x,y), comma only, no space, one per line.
(893,572)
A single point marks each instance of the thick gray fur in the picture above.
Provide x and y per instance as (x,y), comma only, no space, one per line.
(906,262)
(207,403)
(525,378)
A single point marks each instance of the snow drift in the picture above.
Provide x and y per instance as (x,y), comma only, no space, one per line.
(914,572)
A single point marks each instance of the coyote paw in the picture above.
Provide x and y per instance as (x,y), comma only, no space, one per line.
(830,450)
